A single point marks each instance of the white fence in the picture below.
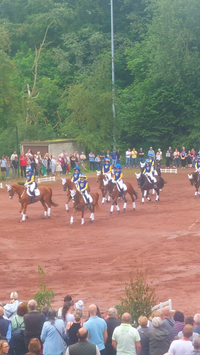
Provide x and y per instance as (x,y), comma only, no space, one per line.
(168,171)
(1,185)
(48,178)
(164,304)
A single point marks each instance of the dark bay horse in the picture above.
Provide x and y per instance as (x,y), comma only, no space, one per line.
(115,194)
(195,180)
(45,198)
(145,185)
(105,189)
(68,186)
(80,205)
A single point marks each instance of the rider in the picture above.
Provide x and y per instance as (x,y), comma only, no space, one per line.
(118,178)
(82,187)
(197,164)
(107,171)
(148,172)
(30,182)
(75,177)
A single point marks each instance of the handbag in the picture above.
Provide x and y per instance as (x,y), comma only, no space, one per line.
(64,338)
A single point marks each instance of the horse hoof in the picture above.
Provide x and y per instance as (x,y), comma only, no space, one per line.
(71,222)
(111,213)
(91,220)
(124,210)
(142,203)
(49,216)
(118,212)
(21,221)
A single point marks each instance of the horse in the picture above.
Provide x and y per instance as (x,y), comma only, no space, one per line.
(80,205)
(69,185)
(45,198)
(157,172)
(195,180)
(145,185)
(115,194)
(104,188)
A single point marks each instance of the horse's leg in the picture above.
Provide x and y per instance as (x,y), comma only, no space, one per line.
(72,216)
(45,207)
(148,197)
(125,202)
(142,196)
(82,219)
(157,194)
(112,207)
(145,192)
(92,213)
(66,205)
(153,192)
(24,213)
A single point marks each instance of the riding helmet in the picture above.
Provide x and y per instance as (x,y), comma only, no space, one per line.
(77,168)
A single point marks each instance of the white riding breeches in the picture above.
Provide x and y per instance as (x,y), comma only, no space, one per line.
(155,173)
(121,185)
(32,186)
(87,197)
(150,175)
(107,176)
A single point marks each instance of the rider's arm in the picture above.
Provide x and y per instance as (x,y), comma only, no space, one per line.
(121,176)
(30,181)
(72,179)
(195,165)
(110,169)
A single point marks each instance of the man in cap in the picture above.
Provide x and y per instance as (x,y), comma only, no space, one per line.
(112,322)
(151,151)
(10,309)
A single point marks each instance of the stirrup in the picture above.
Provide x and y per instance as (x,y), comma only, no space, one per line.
(155,186)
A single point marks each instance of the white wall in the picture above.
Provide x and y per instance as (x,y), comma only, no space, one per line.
(69,147)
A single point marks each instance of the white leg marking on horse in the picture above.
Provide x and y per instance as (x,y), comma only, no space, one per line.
(71,219)
(66,207)
(23,217)
(102,200)
(45,213)
(148,198)
(134,205)
(142,199)
(117,207)
(82,221)
(108,198)
(156,197)
(153,192)
(93,216)
(160,189)
(111,208)
(49,211)
(198,192)
(145,192)
(125,205)
(195,193)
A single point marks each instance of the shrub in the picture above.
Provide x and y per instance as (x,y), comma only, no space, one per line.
(44,297)
(139,299)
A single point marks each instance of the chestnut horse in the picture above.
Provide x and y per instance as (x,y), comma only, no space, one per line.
(69,185)
(104,188)
(45,198)
(115,194)
(80,205)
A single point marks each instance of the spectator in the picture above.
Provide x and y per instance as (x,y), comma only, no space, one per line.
(83,346)
(22,163)
(144,338)
(159,158)
(45,311)
(193,157)
(73,327)
(58,166)
(52,334)
(183,158)
(67,159)
(79,305)
(189,159)
(4,347)
(67,298)
(184,345)
(128,158)
(197,323)
(171,155)
(53,165)
(33,321)
(151,151)
(18,321)
(5,326)
(34,347)
(98,162)
(14,165)
(168,322)
(91,160)
(108,154)
(67,310)
(176,158)
(97,329)
(7,167)
(125,338)
(72,161)
(158,338)
(3,165)
(118,157)
(196,345)
(141,156)
(113,156)
(13,156)
(10,309)
(77,157)
(112,322)
(168,159)
(83,160)
(134,158)
(44,165)
(188,320)
(179,322)
(102,156)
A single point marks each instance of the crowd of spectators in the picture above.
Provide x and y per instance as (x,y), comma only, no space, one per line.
(50,164)
(73,331)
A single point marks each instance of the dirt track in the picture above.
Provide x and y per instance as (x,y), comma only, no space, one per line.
(93,262)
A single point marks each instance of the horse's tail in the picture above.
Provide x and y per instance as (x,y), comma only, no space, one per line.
(162,182)
(50,200)
(135,193)
(97,204)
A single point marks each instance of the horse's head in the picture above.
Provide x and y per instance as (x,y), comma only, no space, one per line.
(10,191)
(139,179)
(191,178)
(99,175)
(64,183)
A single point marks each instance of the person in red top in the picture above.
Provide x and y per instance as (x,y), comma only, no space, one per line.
(22,163)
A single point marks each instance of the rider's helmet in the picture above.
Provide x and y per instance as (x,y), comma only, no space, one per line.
(82,176)
(117,166)
(29,170)
(77,168)
(147,161)
(107,160)
(150,155)
(198,157)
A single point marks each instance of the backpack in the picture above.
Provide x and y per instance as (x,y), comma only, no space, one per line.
(18,334)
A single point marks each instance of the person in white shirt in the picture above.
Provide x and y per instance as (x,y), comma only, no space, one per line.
(184,345)
(10,309)
(128,158)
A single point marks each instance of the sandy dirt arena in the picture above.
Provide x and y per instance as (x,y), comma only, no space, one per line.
(93,262)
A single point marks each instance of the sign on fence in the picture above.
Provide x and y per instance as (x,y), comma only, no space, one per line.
(48,178)
(168,171)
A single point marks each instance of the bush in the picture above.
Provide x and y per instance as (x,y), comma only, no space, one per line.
(44,297)
(140,297)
